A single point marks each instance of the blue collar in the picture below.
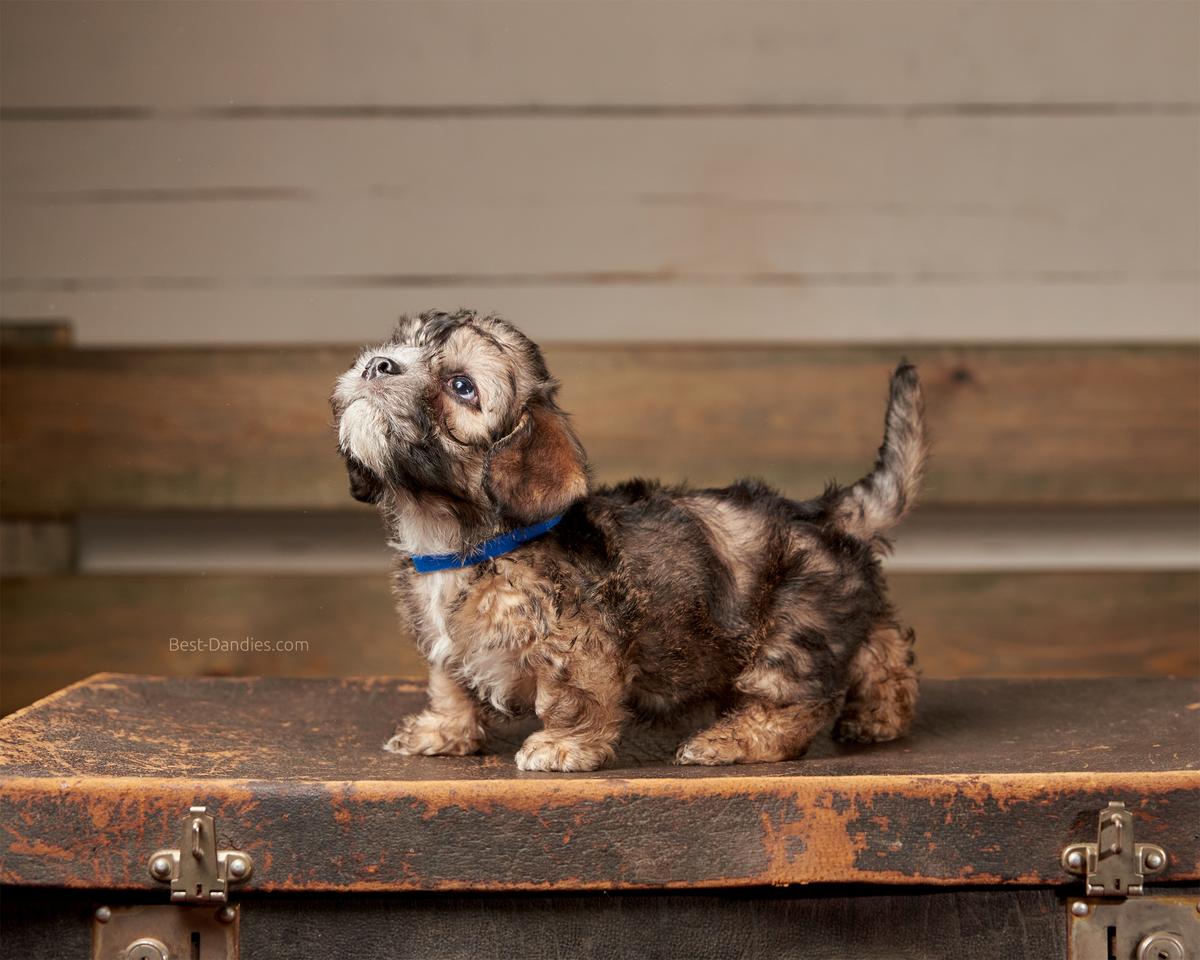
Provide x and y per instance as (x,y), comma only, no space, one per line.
(496,547)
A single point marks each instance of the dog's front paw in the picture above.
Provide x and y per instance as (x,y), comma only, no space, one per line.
(710,750)
(435,734)
(565,754)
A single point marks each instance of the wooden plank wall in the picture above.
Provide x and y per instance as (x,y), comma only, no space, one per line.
(871,171)
(1005,191)
(250,428)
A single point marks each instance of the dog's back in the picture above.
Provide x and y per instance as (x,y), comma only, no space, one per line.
(740,591)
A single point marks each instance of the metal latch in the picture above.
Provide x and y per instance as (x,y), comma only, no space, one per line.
(1117,918)
(163,931)
(200,923)
(1114,865)
(198,871)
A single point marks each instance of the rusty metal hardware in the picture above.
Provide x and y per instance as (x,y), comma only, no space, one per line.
(1117,918)
(199,923)
(198,872)
(1114,866)
(165,932)
(1145,928)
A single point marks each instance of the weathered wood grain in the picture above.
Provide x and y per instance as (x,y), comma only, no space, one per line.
(805,165)
(250,428)
(1057,623)
(547,54)
(31,547)
(58,629)
(747,200)
(1071,309)
(35,333)
(863,923)
(295,775)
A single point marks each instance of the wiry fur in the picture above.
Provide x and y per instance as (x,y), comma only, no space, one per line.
(644,599)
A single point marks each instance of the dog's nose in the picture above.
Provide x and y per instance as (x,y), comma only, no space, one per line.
(381,367)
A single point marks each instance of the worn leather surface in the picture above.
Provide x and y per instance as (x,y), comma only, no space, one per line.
(838,924)
(994,781)
(305,729)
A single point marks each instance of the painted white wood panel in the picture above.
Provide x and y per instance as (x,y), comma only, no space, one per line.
(896,313)
(222,55)
(745,200)
(929,540)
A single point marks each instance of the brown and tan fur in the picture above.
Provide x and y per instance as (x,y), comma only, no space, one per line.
(645,599)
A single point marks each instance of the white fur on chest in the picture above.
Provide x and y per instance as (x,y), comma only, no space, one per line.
(490,632)
(434,593)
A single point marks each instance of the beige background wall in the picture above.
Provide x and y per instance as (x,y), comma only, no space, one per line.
(895,170)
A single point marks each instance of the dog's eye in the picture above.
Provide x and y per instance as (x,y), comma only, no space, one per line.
(463,388)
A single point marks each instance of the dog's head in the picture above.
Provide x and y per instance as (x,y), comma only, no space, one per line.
(458,408)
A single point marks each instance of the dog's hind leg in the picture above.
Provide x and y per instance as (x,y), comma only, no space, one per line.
(782,701)
(757,731)
(881,698)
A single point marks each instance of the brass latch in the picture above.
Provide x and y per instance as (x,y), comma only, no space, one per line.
(199,923)
(1115,866)
(1116,917)
(163,931)
(198,872)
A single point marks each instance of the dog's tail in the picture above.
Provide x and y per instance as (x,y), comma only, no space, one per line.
(880,500)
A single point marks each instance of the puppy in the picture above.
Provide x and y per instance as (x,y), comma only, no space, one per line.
(529,591)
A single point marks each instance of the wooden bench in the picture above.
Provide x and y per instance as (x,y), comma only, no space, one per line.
(950,843)
(239,430)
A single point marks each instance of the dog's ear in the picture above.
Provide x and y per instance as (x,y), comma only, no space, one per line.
(539,469)
(364,485)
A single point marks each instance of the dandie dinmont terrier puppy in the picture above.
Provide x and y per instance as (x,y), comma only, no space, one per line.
(528,590)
